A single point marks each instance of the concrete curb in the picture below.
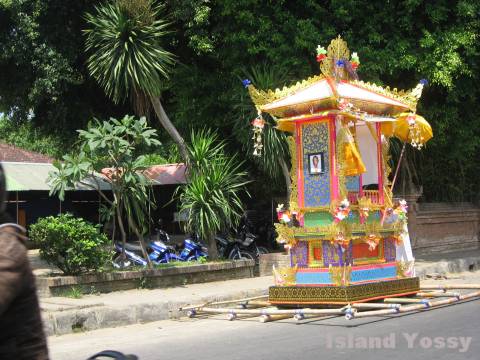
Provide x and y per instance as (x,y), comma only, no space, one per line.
(96,316)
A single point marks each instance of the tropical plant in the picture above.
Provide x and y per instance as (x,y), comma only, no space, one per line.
(112,148)
(212,196)
(215,40)
(127,59)
(275,158)
(72,244)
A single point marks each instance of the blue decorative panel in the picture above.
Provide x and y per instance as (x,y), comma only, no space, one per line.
(314,277)
(304,278)
(299,254)
(333,254)
(390,250)
(352,183)
(316,139)
(373,274)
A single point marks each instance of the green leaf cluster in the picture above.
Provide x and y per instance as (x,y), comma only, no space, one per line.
(43,76)
(212,198)
(125,57)
(115,149)
(72,244)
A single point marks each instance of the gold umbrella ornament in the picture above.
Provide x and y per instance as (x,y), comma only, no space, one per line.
(411,128)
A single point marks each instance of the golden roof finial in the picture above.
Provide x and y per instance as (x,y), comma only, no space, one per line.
(336,51)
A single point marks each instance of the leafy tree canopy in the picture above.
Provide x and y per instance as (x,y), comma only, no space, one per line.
(43,74)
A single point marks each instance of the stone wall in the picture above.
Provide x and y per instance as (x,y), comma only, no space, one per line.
(268,260)
(157,278)
(440,227)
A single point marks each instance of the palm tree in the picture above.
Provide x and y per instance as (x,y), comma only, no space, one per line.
(126,58)
(211,198)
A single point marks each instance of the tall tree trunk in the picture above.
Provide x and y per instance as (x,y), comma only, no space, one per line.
(122,231)
(169,127)
(143,245)
(286,174)
(212,248)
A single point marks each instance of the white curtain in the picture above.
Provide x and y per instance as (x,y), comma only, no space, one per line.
(368,150)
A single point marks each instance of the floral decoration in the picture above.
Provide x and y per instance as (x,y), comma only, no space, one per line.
(283,215)
(321,53)
(401,210)
(417,139)
(372,240)
(341,211)
(355,61)
(258,125)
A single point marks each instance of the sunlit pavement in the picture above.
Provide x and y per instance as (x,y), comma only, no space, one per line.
(449,332)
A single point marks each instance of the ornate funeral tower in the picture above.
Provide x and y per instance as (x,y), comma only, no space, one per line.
(346,235)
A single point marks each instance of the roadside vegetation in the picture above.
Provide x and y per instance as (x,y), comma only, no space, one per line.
(208,47)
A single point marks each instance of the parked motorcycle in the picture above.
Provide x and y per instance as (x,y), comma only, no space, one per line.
(192,249)
(249,243)
(232,249)
(158,253)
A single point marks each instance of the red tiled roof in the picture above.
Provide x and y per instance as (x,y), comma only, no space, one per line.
(167,174)
(11,153)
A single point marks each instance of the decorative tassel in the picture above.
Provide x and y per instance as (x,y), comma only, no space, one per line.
(258,125)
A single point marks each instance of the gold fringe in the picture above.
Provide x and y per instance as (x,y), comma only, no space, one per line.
(261,98)
(293,174)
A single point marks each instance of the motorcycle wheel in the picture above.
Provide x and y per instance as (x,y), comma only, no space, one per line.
(241,255)
(262,250)
(119,263)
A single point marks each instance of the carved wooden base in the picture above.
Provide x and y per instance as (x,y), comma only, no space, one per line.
(343,294)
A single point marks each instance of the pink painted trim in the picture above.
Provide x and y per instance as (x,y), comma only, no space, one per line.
(333,169)
(380,165)
(310,120)
(373,266)
(356,267)
(298,140)
(372,281)
(352,282)
(312,270)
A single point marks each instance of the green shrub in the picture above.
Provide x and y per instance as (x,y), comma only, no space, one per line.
(72,244)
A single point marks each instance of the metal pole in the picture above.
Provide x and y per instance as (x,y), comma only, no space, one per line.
(398,166)
(17,204)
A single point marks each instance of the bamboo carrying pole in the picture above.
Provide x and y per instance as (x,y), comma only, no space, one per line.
(439,294)
(404,301)
(260,312)
(199,306)
(421,306)
(269,318)
(450,286)
(375,306)
(388,307)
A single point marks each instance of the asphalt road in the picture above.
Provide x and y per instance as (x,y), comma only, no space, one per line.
(450,332)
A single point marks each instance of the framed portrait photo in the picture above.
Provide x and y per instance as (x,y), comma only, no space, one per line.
(316,163)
